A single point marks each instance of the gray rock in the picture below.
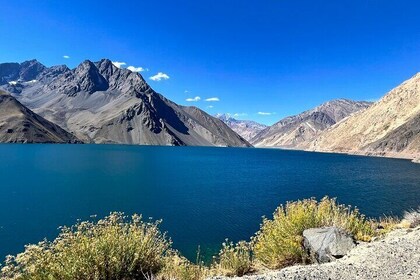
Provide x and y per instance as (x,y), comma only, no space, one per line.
(327,244)
(395,257)
(26,71)
(100,103)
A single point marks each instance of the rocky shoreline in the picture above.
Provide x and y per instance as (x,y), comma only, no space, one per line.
(395,256)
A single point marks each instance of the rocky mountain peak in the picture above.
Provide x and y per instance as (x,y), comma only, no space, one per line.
(298,130)
(105,65)
(245,128)
(107,69)
(30,70)
(88,78)
(53,72)
(23,72)
(224,117)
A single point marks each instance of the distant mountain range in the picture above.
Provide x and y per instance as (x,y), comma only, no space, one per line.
(246,129)
(390,127)
(100,103)
(299,130)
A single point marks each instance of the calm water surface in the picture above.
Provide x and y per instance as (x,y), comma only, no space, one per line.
(203,195)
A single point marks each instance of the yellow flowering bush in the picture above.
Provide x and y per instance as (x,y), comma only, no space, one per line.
(279,241)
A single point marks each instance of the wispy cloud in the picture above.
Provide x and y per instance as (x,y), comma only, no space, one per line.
(237,115)
(66,56)
(186,91)
(266,113)
(118,64)
(136,69)
(212,99)
(195,99)
(159,76)
(210,107)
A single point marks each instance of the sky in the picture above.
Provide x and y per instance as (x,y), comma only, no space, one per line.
(259,60)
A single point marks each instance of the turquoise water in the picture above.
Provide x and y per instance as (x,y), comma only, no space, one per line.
(203,195)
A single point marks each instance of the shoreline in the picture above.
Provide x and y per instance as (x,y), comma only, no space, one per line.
(391,155)
(414,159)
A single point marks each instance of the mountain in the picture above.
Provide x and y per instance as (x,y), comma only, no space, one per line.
(247,129)
(101,103)
(18,124)
(299,130)
(14,72)
(390,127)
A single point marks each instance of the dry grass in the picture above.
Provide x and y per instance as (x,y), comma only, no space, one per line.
(179,268)
(233,259)
(113,248)
(118,247)
(412,218)
(279,241)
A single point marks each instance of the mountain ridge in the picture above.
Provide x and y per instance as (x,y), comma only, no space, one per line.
(101,103)
(390,127)
(246,128)
(299,130)
(18,124)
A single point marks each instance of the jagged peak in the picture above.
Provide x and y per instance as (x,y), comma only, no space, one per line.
(86,63)
(224,116)
(62,67)
(31,61)
(105,63)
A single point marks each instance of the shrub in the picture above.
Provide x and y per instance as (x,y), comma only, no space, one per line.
(234,260)
(118,247)
(112,248)
(412,218)
(179,268)
(279,241)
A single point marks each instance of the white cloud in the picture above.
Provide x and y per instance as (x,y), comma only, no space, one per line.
(266,113)
(136,69)
(210,106)
(212,99)
(66,56)
(186,91)
(159,76)
(118,64)
(236,115)
(195,99)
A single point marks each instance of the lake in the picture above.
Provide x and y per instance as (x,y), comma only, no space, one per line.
(203,195)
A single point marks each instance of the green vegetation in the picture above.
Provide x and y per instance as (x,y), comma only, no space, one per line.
(118,247)
(234,259)
(112,248)
(279,241)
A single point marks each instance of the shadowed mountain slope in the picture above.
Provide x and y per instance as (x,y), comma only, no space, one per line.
(101,103)
(18,124)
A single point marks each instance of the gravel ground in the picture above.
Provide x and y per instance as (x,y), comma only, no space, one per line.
(397,256)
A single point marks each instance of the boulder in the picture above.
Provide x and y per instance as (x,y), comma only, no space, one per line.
(327,244)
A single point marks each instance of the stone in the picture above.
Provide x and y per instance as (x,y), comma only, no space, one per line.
(327,244)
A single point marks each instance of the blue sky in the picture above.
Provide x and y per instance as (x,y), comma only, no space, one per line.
(277,57)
